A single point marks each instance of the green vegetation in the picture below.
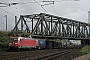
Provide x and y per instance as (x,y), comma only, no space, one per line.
(4,39)
(85,50)
(89,59)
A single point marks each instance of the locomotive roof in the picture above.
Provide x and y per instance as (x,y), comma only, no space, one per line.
(20,37)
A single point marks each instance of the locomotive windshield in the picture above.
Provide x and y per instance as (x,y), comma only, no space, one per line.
(13,39)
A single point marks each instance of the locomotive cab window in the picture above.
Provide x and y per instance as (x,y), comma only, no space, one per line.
(13,39)
(20,39)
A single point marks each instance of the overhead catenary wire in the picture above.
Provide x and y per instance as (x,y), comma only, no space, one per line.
(15,3)
(47,4)
(41,6)
(58,1)
(53,3)
(25,3)
(11,13)
(7,12)
(53,9)
(50,5)
(16,7)
(38,4)
(3,6)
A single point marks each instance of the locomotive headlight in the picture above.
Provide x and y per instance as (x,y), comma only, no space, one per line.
(10,43)
(16,43)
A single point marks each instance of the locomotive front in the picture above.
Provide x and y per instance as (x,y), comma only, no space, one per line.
(13,43)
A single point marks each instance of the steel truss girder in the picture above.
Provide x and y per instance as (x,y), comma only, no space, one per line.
(50,25)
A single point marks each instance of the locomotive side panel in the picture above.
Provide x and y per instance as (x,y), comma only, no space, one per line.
(26,43)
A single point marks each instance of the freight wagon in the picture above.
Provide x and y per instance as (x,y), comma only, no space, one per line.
(49,44)
(40,44)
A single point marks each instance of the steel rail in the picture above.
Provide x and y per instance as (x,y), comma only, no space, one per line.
(51,56)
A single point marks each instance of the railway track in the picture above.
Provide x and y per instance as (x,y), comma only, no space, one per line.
(48,54)
(26,54)
(52,56)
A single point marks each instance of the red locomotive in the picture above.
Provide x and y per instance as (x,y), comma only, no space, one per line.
(21,42)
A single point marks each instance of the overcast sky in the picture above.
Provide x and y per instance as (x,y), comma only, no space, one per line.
(77,10)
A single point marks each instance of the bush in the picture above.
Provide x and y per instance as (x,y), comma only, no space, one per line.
(3,47)
(24,34)
(85,50)
(4,38)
